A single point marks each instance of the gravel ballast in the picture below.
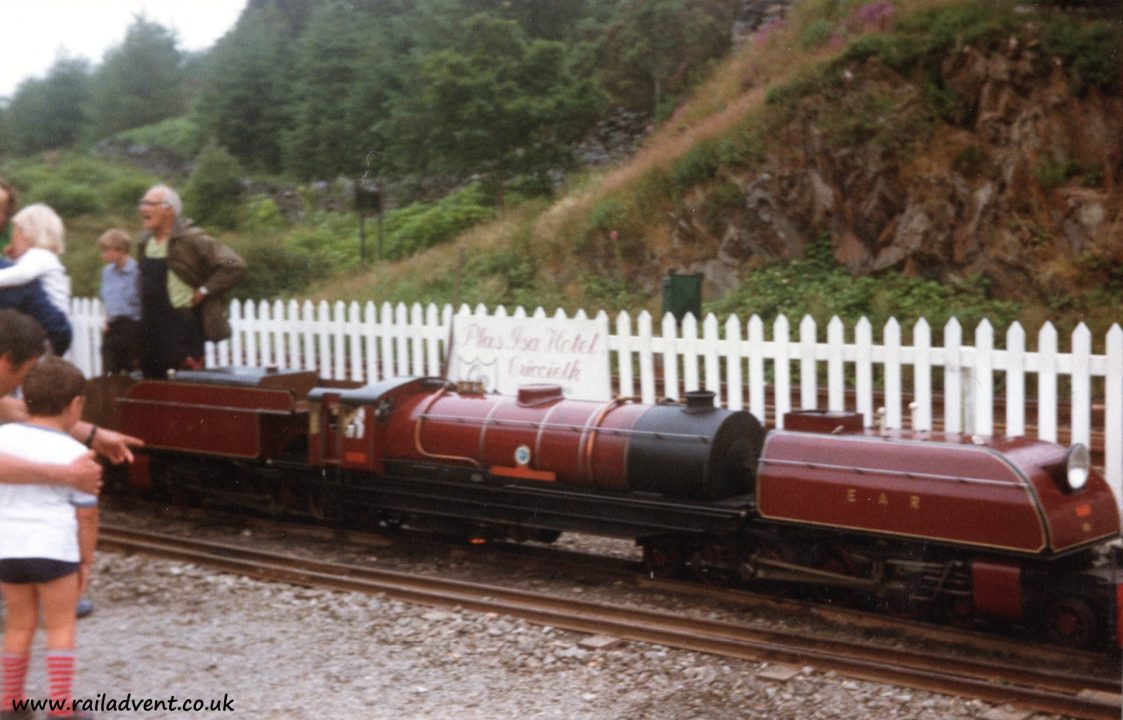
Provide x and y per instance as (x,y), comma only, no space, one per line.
(278,651)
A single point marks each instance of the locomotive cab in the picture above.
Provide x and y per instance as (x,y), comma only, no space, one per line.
(346,425)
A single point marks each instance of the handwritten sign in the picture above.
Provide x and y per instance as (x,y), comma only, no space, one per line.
(506,353)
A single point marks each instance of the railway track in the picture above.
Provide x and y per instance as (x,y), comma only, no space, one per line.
(1057,691)
(625,569)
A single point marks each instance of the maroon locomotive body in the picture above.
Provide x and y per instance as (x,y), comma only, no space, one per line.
(999,495)
(972,528)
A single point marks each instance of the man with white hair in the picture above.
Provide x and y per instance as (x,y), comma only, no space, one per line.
(184,276)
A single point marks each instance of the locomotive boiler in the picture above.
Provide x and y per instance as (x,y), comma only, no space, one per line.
(968,528)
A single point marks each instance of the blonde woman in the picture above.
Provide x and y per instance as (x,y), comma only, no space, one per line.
(38,237)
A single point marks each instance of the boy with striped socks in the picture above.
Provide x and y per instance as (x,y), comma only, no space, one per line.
(47,539)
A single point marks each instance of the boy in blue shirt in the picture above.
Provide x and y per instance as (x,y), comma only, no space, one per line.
(120,346)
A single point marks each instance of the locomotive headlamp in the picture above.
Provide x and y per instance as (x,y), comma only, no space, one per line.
(1078,463)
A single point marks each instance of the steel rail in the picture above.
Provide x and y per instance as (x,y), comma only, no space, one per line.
(1050,692)
(552,558)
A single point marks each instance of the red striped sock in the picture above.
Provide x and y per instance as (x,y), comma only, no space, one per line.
(60,680)
(15,674)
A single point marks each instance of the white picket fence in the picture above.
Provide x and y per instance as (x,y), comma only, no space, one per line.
(745,364)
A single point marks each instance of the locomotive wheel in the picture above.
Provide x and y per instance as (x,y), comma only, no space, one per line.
(836,558)
(172,482)
(714,565)
(324,504)
(958,612)
(1070,621)
(664,560)
(898,602)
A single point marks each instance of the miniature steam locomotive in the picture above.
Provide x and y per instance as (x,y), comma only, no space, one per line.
(971,529)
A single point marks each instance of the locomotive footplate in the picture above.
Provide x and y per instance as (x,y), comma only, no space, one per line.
(410,488)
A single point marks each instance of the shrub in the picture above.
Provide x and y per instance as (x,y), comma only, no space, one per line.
(213,190)
(1090,52)
(969,161)
(1052,172)
(69,199)
(262,216)
(817,287)
(179,134)
(122,194)
(277,268)
(696,165)
(423,225)
(815,33)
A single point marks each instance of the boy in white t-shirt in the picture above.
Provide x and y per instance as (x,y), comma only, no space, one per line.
(47,538)
(38,238)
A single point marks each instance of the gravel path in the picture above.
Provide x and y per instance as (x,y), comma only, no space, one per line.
(278,651)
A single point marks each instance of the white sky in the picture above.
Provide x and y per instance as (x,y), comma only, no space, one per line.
(37,31)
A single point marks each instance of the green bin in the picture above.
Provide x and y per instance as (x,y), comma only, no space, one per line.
(682,294)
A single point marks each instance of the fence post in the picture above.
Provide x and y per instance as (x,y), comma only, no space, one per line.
(627,387)
(863,371)
(756,368)
(1047,383)
(922,375)
(982,376)
(836,378)
(1080,422)
(808,375)
(1015,381)
(781,338)
(892,342)
(953,377)
(645,340)
(735,385)
(670,357)
(712,341)
(1113,412)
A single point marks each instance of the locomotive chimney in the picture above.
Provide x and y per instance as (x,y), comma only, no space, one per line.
(699,401)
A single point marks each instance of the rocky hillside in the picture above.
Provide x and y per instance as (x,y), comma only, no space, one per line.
(902,159)
(997,157)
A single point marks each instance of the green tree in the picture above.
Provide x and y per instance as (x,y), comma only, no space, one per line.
(243,102)
(326,137)
(294,12)
(47,113)
(554,20)
(654,49)
(214,189)
(495,102)
(139,82)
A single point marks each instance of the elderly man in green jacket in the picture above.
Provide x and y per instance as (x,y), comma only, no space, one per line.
(184,276)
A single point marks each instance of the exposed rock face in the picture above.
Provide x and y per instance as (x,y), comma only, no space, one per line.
(614,138)
(1021,186)
(155,159)
(752,15)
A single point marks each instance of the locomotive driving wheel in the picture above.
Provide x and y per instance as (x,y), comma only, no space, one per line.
(175,481)
(664,559)
(326,504)
(1071,621)
(836,558)
(958,612)
(714,564)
